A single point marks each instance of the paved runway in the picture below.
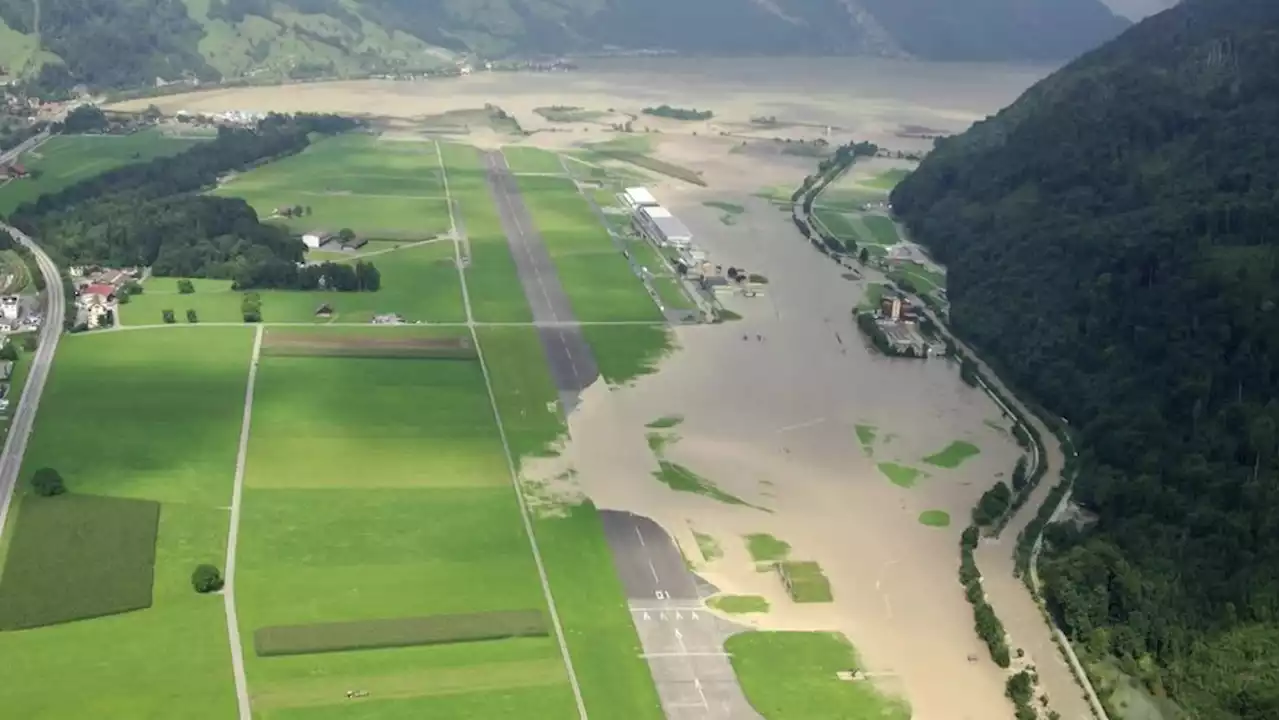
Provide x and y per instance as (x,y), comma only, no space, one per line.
(573,367)
(683,643)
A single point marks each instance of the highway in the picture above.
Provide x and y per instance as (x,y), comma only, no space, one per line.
(24,416)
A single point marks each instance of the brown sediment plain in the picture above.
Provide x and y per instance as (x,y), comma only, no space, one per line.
(769,402)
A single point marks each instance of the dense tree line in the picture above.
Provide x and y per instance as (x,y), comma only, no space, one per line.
(84,119)
(1111,240)
(150,214)
(675,113)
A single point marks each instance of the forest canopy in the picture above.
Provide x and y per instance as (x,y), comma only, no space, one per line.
(1111,242)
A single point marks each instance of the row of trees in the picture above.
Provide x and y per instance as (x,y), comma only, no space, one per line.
(985,622)
(676,113)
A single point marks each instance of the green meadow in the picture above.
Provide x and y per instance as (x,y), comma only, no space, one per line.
(420,282)
(595,275)
(67,159)
(953,455)
(377,489)
(377,188)
(792,676)
(531,160)
(492,281)
(138,416)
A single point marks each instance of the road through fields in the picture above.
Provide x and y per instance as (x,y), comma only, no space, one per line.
(24,416)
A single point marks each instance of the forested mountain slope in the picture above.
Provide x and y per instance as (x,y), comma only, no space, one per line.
(1111,239)
(131,42)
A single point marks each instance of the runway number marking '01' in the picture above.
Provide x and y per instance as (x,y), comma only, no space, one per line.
(662,594)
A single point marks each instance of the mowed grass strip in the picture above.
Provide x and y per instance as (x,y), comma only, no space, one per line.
(431,692)
(492,281)
(73,557)
(793,676)
(522,159)
(596,277)
(626,352)
(397,632)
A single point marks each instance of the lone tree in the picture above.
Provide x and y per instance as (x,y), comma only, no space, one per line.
(206,578)
(346,235)
(186,287)
(8,352)
(46,482)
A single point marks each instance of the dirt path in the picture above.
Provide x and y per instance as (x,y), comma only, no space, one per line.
(233,536)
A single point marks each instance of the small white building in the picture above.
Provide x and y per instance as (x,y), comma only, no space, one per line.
(9,307)
(658,223)
(314,240)
(638,197)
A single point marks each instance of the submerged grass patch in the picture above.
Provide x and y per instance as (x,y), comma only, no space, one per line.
(792,676)
(805,581)
(767,548)
(625,352)
(953,454)
(682,479)
(900,475)
(709,546)
(739,604)
(935,518)
(866,437)
(666,421)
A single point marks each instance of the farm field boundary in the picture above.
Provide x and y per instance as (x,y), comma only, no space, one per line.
(328,344)
(398,632)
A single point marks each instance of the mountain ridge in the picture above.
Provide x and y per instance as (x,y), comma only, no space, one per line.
(1111,242)
(227,39)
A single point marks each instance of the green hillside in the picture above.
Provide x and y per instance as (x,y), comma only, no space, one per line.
(130,43)
(1111,241)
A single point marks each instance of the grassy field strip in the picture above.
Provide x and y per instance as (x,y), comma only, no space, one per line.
(233,534)
(397,632)
(496,292)
(597,279)
(528,528)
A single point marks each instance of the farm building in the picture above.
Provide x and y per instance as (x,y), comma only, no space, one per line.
(315,239)
(638,197)
(658,223)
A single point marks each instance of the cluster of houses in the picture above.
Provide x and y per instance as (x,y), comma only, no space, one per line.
(97,290)
(235,118)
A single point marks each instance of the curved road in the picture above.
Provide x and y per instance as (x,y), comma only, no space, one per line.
(20,427)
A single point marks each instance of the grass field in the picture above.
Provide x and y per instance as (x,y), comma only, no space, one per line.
(792,676)
(419,282)
(882,229)
(74,557)
(921,278)
(523,159)
(379,189)
(14,273)
(709,546)
(866,437)
(682,479)
(147,416)
(625,352)
(935,518)
(886,180)
(953,455)
(805,581)
(900,475)
(596,277)
(378,489)
(67,159)
(492,281)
